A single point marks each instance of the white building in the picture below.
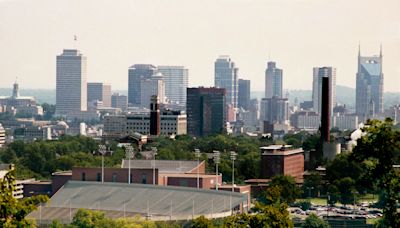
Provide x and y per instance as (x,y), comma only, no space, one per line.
(345,122)
(171,123)
(176,79)
(308,121)
(2,136)
(318,74)
(71,88)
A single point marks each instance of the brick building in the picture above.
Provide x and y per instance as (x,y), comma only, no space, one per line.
(281,160)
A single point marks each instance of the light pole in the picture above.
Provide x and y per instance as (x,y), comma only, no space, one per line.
(216,155)
(197,154)
(154,149)
(233,158)
(102,151)
(129,154)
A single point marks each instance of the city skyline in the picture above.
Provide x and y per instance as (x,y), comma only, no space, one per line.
(185,44)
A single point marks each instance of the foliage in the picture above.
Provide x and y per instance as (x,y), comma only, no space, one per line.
(12,211)
(380,147)
(346,190)
(312,185)
(313,221)
(92,219)
(201,222)
(289,189)
(303,204)
(333,195)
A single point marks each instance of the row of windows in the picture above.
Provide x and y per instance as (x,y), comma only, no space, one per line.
(114,177)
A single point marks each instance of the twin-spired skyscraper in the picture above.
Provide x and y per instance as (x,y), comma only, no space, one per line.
(369,86)
(71,88)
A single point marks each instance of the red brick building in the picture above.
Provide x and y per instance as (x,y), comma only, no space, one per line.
(281,160)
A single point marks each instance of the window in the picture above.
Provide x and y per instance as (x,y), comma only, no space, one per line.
(144,178)
(98,177)
(114,177)
(83,176)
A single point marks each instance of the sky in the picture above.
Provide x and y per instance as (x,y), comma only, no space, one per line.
(113,35)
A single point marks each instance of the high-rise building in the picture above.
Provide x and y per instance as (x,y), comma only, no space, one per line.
(136,74)
(119,101)
(244,94)
(274,110)
(176,79)
(100,92)
(71,88)
(369,86)
(152,86)
(226,76)
(273,81)
(318,74)
(206,111)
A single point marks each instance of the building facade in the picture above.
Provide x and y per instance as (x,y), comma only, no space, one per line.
(206,111)
(226,76)
(318,74)
(273,81)
(274,110)
(97,91)
(244,94)
(369,86)
(281,160)
(176,79)
(136,74)
(2,136)
(71,88)
(119,101)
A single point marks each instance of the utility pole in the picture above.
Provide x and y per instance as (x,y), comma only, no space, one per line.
(217,156)
(129,154)
(102,151)
(154,149)
(233,158)
(197,154)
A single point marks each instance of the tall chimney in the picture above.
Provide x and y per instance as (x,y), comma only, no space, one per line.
(155,128)
(325,110)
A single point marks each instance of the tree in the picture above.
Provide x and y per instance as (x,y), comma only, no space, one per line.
(312,184)
(346,189)
(289,189)
(91,219)
(380,146)
(201,222)
(313,221)
(12,211)
(333,194)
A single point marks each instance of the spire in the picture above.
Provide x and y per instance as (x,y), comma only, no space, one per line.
(15,89)
(359,48)
(380,51)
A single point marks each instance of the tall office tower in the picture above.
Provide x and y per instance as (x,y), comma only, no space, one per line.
(71,94)
(100,92)
(318,74)
(274,110)
(369,86)
(155,127)
(206,111)
(176,79)
(119,101)
(136,73)
(152,86)
(273,81)
(226,76)
(244,94)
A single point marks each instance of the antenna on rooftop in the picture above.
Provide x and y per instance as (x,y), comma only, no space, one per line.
(75,41)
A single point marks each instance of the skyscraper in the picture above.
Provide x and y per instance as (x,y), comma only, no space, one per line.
(274,110)
(99,91)
(206,111)
(369,86)
(244,94)
(152,86)
(273,81)
(318,74)
(136,73)
(226,76)
(71,88)
(176,79)
(119,101)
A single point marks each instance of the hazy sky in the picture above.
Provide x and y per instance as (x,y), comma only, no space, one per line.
(114,34)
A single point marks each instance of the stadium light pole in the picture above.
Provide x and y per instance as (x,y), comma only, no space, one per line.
(233,158)
(154,149)
(102,151)
(197,154)
(216,155)
(129,154)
